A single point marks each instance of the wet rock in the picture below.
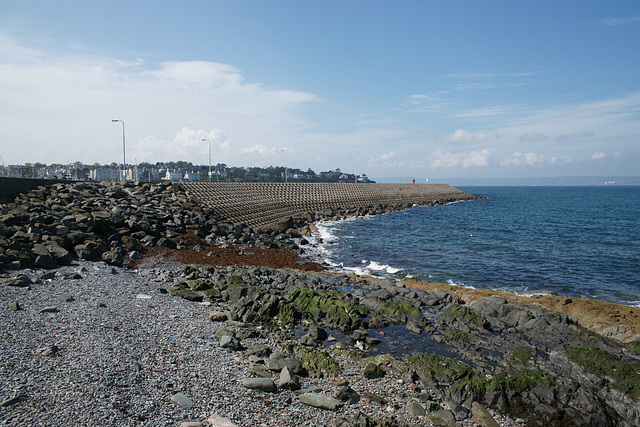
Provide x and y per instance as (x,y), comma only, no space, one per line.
(372,371)
(317,333)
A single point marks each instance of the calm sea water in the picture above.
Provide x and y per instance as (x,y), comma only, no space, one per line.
(577,241)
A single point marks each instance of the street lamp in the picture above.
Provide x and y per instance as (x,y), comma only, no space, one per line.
(203,140)
(286,167)
(124,155)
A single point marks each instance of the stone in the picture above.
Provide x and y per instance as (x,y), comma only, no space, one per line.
(459,411)
(60,254)
(320,400)
(317,333)
(372,371)
(259,370)
(191,424)
(443,417)
(14,400)
(217,316)
(272,365)
(86,251)
(182,400)
(13,305)
(48,276)
(288,380)
(260,350)
(348,395)
(262,384)
(371,397)
(50,350)
(49,310)
(113,258)
(481,416)
(135,255)
(230,342)
(308,341)
(294,365)
(219,421)
(21,281)
(416,409)
(222,332)
(64,298)
(45,261)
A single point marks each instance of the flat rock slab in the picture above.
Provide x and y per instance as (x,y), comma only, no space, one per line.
(182,400)
(263,384)
(320,400)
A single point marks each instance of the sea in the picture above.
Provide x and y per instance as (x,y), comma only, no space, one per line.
(576,241)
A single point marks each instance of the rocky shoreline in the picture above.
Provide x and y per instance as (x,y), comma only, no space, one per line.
(183,318)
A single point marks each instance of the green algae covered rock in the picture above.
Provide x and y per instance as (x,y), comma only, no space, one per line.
(336,310)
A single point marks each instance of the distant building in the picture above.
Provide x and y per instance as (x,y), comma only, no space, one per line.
(103,174)
(172,176)
(192,176)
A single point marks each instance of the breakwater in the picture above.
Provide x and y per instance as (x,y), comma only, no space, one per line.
(263,204)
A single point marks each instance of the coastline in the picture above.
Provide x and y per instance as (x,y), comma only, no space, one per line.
(506,357)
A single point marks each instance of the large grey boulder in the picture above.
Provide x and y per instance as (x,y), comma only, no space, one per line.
(262,384)
(288,380)
(320,400)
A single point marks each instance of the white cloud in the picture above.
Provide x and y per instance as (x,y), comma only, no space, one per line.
(533,159)
(461,135)
(465,160)
(186,144)
(472,76)
(71,98)
(617,22)
(261,150)
(600,155)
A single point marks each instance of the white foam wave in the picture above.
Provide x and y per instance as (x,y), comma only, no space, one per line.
(382,268)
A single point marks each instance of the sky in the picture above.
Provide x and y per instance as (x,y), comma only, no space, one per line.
(403,88)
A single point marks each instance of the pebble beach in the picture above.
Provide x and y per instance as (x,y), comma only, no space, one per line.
(93,344)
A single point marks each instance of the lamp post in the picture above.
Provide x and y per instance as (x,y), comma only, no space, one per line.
(203,140)
(124,155)
(286,166)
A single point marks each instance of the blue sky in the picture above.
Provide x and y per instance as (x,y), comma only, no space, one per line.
(394,88)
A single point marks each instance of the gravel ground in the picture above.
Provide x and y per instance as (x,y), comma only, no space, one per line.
(124,349)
